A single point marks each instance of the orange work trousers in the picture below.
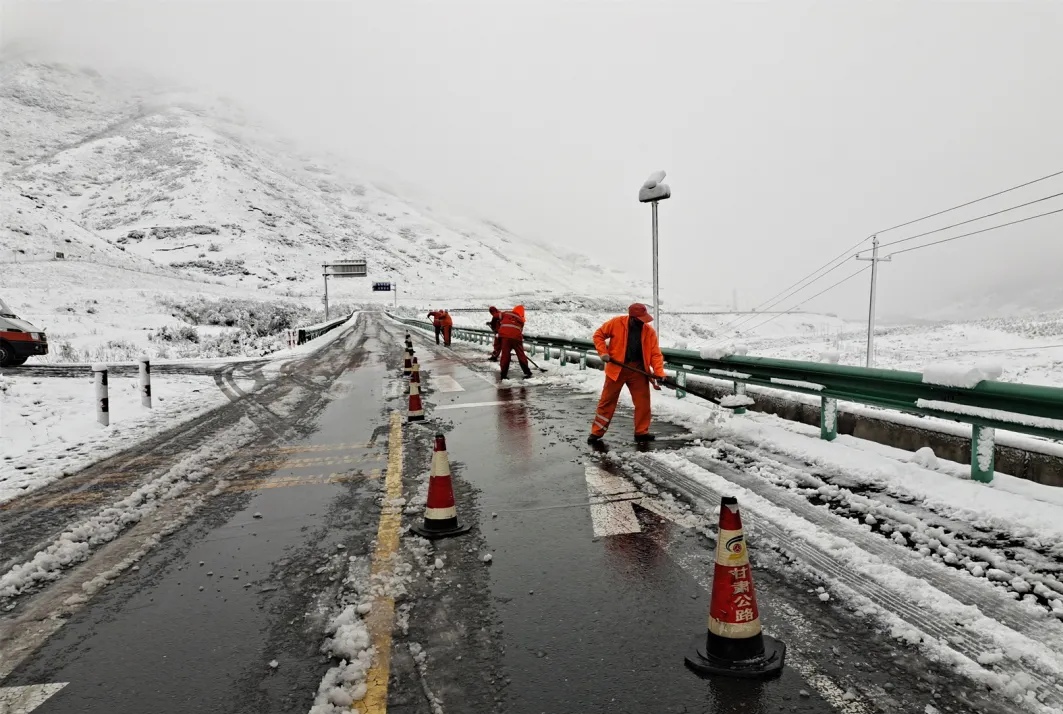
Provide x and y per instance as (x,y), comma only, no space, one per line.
(446,335)
(639,387)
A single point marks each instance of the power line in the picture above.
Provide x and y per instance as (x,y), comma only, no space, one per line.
(789,292)
(972,220)
(974,233)
(807,300)
(977,200)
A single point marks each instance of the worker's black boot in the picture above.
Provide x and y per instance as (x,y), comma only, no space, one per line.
(645,438)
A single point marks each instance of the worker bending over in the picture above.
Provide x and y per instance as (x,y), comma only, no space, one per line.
(494,324)
(511,330)
(437,322)
(627,340)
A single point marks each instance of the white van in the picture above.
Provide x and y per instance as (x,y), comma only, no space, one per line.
(19,340)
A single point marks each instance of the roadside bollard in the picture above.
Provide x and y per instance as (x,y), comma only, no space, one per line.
(145,382)
(103,415)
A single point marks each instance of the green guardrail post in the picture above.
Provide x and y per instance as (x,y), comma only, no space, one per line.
(563,357)
(740,390)
(546,353)
(828,419)
(583,360)
(681,380)
(983,453)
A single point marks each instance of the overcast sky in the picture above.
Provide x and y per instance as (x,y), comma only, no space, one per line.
(789,130)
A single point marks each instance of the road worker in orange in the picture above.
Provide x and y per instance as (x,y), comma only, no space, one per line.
(494,324)
(437,322)
(511,332)
(628,340)
(448,324)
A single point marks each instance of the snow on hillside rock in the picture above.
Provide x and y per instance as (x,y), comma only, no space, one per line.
(191,186)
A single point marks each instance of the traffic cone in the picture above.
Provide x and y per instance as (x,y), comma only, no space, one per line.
(440,513)
(416,412)
(415,374)
(735,645)
(407,366)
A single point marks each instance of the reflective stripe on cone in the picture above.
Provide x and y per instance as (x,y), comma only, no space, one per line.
(441,512)
(416,412)
(735,644)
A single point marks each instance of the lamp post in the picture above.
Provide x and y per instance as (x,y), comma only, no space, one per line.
(875,260)
(651,192)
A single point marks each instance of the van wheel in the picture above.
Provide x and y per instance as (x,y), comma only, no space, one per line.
(5,355)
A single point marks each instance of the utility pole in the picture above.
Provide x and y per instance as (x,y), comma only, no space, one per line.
(875,260)
(324,272)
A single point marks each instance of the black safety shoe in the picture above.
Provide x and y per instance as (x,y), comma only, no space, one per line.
(527,375)
(594,439)
(644,438)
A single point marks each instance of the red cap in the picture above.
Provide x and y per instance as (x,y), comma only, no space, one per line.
(638,310)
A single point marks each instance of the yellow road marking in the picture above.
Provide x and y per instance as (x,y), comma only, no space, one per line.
(289,481)
(381,620)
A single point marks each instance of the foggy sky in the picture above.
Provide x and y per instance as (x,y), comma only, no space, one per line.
(789,130)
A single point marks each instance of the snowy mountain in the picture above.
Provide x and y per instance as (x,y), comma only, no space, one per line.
(163,182)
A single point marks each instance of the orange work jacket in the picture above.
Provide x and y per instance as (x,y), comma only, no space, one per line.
(615,330)
(512,326)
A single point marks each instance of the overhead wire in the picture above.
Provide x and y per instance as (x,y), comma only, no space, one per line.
(972,220)
(806,300)
(971,203)
(815,276)
(974,233)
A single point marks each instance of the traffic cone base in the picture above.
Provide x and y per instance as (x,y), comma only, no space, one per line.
(441,512)
(735,644)
(748,658)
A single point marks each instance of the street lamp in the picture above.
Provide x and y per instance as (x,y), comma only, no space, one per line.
(651,192)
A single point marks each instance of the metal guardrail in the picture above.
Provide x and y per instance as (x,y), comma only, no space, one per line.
(305,334)
(1023,408)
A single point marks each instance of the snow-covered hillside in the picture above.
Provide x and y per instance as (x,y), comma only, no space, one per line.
(121,175)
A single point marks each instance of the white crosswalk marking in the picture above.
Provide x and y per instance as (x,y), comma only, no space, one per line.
(445,383)
(23,700)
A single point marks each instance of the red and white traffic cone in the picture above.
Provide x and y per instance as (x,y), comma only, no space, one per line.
(407,365)
(415,374)
(735,645)
(440,513)
(416,412)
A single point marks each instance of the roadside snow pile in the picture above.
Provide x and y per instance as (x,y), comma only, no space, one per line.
(77,543)
(830,356)
(926,458)
(723,351)
(345,684)
(958,375)
(736,400)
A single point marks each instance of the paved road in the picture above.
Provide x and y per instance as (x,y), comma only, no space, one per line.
(583,608)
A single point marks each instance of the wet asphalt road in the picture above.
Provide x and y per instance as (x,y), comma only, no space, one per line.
(560,621)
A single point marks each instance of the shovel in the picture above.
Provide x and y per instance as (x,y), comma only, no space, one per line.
(671,384)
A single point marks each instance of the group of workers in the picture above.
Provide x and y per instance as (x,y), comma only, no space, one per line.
(626,344)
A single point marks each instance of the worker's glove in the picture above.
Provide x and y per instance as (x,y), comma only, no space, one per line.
(656,382)
(606,358)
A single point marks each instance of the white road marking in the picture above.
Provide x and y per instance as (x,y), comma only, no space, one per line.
(445,383)
(469,405)
(22,700)
(612,503)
